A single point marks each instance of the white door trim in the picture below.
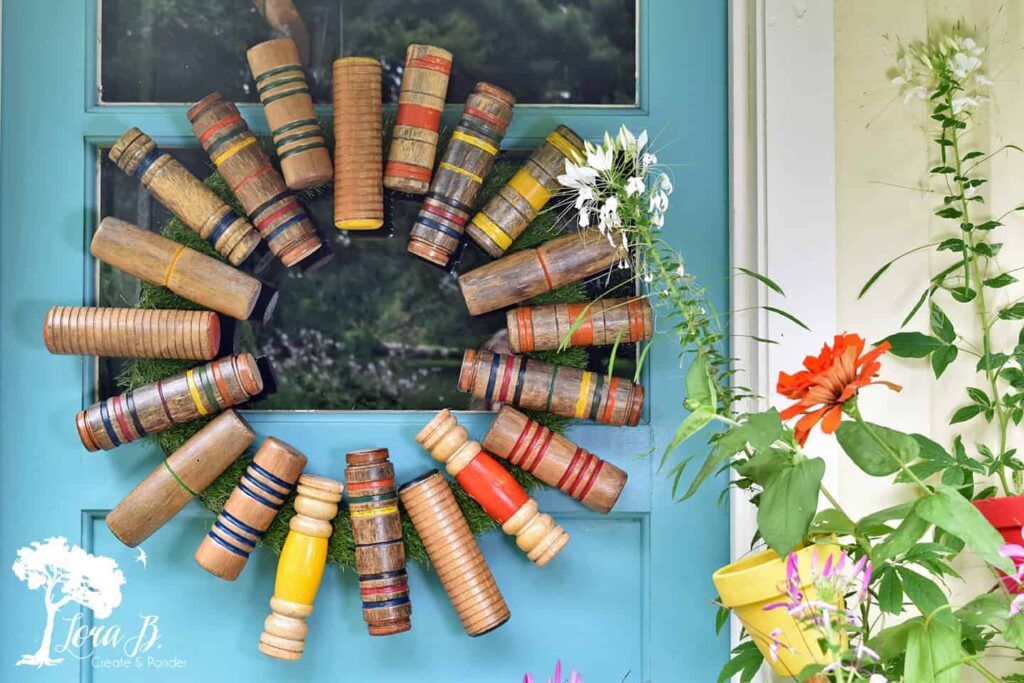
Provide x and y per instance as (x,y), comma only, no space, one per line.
(782,199)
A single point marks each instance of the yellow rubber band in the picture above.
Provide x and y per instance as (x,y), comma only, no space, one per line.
(232,149)
(461,171)
(192,389)
(174,262)
(565,147)
(492,230)
(475,141)
(581,402)
(535,194)
(375,512)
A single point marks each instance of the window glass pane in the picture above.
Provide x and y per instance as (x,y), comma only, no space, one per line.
(374,329)
(543,51)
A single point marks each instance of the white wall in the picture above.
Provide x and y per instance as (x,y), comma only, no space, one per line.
(883,152)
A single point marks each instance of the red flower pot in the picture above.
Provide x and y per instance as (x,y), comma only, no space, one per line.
(1007,515)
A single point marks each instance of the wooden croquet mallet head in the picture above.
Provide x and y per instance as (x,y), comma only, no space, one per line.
(491,485)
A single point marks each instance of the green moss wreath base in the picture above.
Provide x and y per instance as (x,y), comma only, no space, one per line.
(341,549)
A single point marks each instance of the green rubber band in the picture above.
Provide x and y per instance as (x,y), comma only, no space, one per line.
(551,389)
(174,475)
(276,84)
(278,70)
(295,124)
(207,383)
(301,148)
(298,136)
(287,93)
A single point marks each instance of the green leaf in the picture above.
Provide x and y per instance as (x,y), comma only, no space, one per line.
(762,465)
(941,325)
(829,522)
(987,609)
(963,294)
(746,661)
(926,596)
(966,413)
(913,344)
(1001,280)
(992,361)
(760,430)
(788,316)
(989,249)
(972,155)
(942,358)
(890,643)
(942,170)
(1013,633)
(700,391)
(1014,312)
(948,212)
(711,464)
(788,503)
(890,592)
(875,449)
(721,618)
(954,244)
(988,225)
(909,532)
(876,520)
(693,423)
(953,513)
(933,650)
(978,396)
(764,279)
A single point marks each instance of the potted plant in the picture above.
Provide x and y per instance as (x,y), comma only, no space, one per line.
(821,600)
(947,73)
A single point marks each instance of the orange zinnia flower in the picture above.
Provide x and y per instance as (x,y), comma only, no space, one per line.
(831,379)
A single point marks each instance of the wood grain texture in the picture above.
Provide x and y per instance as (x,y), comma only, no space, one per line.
(181,477)
(152,408)
(525,274)
(185,196)
(453,551)
(466,161)
(557,389)
(420,103)
(266,483)
(358,144)
(379,546)
(505,216)
(283,90)
(300,568)
(132,332)
(275,212)
(491,485)
(194,276)
(554,460)
(598,323)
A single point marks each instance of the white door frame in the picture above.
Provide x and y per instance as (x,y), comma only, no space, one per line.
(782,199)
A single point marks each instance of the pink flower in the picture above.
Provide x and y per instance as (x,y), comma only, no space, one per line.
(1015,552)
(773,647)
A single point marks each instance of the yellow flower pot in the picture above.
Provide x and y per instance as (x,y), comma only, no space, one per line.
(747,585)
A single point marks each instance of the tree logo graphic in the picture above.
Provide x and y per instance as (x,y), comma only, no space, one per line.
(67,574)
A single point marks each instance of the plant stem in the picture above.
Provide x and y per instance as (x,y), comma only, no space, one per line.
(983,670)
(982,307)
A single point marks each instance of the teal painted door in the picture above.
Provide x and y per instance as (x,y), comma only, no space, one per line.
(629,599)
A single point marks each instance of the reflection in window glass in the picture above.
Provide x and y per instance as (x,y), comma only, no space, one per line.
(374,329)
(543,51)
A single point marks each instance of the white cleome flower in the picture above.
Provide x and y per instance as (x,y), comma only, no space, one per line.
(625,138)
(666,185)
(577,177)
(600,159)
(963,64)
(964,103)
(647,160)
(585,217)
(635,185)
(585,194)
